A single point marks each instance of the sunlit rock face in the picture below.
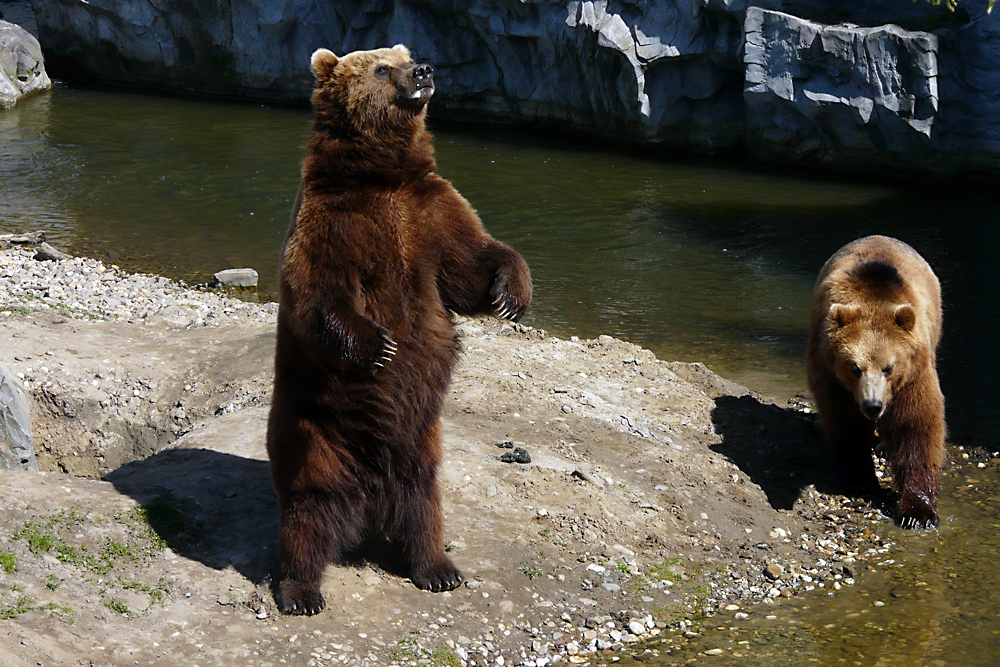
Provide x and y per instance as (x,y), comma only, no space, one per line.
(22,70)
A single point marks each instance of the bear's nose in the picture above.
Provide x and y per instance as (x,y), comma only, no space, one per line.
(422,73)
(872,408)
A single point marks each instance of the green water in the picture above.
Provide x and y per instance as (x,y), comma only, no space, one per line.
(697,263)
(931,602)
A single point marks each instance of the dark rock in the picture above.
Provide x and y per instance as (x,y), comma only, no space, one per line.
(22,67)
(17,451)
(519,455)
(47,253)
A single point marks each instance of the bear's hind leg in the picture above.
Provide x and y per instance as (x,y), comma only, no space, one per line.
(415,523)
(315,530)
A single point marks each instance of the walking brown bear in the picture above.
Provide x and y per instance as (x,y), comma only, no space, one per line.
(380,249)
(871,365)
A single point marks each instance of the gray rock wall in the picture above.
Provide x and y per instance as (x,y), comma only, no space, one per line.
(830,93)
(672,72)
(17,450)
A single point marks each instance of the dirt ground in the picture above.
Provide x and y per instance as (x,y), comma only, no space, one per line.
(656,492)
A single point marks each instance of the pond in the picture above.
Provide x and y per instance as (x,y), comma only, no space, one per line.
(697,262)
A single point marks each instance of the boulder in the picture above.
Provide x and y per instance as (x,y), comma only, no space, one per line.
(17,451)
(22,68)
(821,93)
(236,278)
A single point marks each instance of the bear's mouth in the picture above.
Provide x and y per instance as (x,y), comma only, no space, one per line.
(422,93)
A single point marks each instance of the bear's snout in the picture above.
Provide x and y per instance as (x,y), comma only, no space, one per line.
(872,409)
(873,393)
(423,75)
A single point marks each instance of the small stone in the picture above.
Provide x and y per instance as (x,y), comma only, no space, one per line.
(714,651)
(636,627)
(773,571)
(236,278)
(519,455)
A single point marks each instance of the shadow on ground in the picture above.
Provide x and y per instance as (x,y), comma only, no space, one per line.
(220,510)
(215,508)
(782,450)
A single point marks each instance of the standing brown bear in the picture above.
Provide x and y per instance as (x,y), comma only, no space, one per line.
(380,249)
(873,336)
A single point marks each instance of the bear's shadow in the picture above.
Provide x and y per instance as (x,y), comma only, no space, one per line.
(780,449)
(220,510)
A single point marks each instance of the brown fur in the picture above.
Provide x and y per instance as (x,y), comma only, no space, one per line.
(379,250)
(871,364)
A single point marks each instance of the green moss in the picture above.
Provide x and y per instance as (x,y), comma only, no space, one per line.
(23,605)
(662,571)
(117,606)
(155,594)
(530,571)
(67,614)
(8,561)
(37,535)
(165,525)
(442,657)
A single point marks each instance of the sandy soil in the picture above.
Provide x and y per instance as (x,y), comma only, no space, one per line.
(656,493)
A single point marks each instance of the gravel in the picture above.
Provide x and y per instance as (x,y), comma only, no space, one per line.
(88,289)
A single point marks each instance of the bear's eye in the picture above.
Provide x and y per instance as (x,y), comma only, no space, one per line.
(887,370)
(382,71)
(856,370)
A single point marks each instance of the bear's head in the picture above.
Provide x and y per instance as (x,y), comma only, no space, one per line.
(875,348)
(370,92)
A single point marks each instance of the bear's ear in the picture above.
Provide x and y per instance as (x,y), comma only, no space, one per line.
(324,61)
(403,50)
(842,314)
(905,317)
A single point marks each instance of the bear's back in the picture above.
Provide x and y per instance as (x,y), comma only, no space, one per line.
(882,270)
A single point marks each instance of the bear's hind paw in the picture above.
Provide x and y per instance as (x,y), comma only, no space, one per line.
(440,577)
(300,599)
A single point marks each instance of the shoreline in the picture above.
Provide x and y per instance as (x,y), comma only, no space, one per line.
(658,494)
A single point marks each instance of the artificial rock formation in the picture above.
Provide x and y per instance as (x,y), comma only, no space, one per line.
(22,70)
(17,450)
(787,79)
(836,92)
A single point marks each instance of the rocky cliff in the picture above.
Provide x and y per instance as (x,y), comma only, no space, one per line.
(902,85)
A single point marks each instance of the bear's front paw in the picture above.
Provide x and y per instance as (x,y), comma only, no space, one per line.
(299,599)
(376,350)
(915,513)
(511,295)
(439,577)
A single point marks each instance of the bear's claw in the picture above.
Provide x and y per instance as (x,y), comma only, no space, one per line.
(440,577)
(918,518)
(299,599)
